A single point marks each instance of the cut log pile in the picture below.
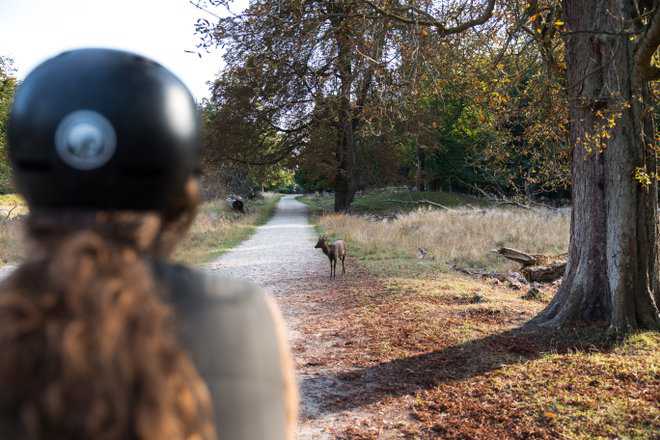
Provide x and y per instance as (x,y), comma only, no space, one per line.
(536,268)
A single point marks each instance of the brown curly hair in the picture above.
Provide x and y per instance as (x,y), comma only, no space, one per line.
(89,348)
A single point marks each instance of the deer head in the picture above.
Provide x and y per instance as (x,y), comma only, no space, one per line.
(321,243)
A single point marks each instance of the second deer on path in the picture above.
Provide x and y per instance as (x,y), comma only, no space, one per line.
(335,251)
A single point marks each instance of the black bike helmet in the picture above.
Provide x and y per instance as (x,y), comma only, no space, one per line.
(103,129)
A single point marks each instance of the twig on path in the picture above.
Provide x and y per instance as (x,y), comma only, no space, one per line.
(7,216)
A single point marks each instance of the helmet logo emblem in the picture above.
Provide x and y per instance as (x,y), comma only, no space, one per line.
(85,140)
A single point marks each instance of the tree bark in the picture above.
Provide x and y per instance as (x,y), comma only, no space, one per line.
(419,167)
(345,151)
(612,270)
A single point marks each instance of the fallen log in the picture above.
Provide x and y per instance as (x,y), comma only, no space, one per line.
(544,274)
(481,273)
(418,202)
(514,279)
(536,268)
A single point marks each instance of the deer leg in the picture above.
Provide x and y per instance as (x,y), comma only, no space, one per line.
(343,269)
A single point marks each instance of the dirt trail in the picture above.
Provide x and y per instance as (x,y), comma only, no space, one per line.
(281,252)
(281,257)
(6,270)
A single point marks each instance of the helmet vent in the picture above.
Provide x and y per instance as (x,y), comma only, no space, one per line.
(85,140)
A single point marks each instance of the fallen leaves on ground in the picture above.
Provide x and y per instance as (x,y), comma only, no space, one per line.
(389,358)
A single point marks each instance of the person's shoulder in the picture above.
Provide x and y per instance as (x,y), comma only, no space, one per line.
(191,285)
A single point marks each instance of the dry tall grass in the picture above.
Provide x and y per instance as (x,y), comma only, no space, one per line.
(217,228)
(462,237)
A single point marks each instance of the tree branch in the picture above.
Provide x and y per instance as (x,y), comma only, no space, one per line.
(201,8)
(287,130)
(431,21)
(646,47)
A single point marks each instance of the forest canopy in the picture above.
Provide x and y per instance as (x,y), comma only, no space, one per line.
(352,95)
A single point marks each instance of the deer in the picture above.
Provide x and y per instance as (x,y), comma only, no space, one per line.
(334,251)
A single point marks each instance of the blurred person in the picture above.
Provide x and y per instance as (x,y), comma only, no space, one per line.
(102,337)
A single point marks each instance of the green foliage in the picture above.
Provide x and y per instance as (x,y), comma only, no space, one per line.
(7,88)
(276,178)
(311,180)
(452,136)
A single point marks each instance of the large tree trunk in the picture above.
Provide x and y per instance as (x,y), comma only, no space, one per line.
(345,151)
(612,270)
(419,167)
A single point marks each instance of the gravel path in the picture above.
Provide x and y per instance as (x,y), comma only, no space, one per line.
(281,257)
(5,270)
(280,253)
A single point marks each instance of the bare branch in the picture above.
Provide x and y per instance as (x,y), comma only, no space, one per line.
(287,130)
(10,212)
(431,21)
(201,8)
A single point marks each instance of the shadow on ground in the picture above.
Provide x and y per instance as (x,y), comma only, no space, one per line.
(406,376)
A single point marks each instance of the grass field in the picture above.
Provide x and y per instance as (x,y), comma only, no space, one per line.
(12,206)
(386,234)
(452,350)
(217,228)
(463,237)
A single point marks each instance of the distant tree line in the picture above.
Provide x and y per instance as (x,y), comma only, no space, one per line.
(7,87)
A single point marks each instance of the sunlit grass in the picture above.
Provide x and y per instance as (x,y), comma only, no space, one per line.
(463,237)
(10,199)
(217,228)
(12,206)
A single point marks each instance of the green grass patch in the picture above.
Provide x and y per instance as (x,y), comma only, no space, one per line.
(217,229)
